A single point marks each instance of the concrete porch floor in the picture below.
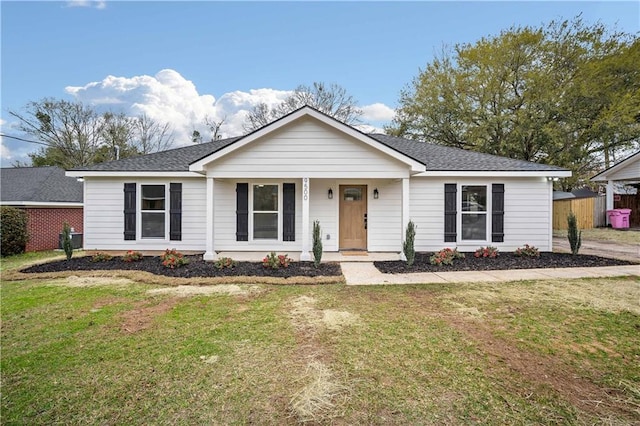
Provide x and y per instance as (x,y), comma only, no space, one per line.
(257,256)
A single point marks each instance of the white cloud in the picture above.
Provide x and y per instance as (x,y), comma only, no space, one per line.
(98,4)
(169,97)
(377,112)
(5,153)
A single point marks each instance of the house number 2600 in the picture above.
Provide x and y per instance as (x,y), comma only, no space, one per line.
(305,189)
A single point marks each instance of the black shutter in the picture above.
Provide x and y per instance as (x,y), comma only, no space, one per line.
(129,211)
(289,212)
(175,211)
(242,212)
(497,213)
(450,213)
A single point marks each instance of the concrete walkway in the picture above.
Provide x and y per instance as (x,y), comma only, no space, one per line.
(364,273)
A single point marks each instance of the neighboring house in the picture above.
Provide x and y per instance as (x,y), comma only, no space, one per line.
(263,191)
(49,198)
(625,172)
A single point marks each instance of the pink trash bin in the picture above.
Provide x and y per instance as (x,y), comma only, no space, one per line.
(619,218)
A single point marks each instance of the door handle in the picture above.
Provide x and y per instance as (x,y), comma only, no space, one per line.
(365,221)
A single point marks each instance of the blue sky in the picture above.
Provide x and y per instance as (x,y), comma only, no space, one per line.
(220,58)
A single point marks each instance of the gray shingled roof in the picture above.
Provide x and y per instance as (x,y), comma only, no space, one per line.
(173,160)
(434,157)
(39,184)
(444,158)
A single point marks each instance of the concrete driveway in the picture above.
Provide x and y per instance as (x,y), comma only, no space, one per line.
(610,249)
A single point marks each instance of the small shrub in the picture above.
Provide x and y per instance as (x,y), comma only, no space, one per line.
(101,257)
(225,262)
(173,259)
(527,251)
(67,245)
(273,261)
(13,230)
(445,256)
(488,251)
(317,243)
(574,236)
(132,256)
(408,247)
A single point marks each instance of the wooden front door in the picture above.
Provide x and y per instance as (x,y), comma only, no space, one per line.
(353,217)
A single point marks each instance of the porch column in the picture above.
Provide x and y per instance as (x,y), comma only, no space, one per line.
(405,213)
(609,198)
(306,243)
(210,254)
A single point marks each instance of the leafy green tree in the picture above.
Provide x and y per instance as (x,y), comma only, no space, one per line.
(332,100)
(566,94)
(13,230)
(117,133)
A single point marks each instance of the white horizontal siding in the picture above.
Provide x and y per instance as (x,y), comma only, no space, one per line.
(104,217)
(307,148)
(385,216)
(324,210)
(526,218)
(631,171)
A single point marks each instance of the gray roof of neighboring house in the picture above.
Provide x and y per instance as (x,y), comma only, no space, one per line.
(39,184)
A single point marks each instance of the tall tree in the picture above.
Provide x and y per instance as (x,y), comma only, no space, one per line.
(117,130)
(150,135)
(565,94)
(76,135)
(332,100)
(72,131)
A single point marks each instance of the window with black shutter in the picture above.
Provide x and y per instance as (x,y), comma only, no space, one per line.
(242,212)
(129,211)
(450,212)
(175,211)
(289,212)
(497,212)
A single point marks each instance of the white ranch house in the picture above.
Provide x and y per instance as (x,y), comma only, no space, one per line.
(262,192)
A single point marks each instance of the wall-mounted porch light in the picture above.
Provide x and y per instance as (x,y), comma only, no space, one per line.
(330,194)
(376,194)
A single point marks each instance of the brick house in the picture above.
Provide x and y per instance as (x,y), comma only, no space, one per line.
(49,198)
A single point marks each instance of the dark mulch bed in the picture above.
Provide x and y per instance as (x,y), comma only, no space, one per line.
(503,261)
(196,268)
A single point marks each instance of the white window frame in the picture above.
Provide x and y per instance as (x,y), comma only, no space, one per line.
(487,212)
(278,212)
(139,212)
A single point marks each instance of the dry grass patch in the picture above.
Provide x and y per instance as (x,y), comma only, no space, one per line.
(75,281)
(220,289)
(143,314)
(610,295)
(304,314)
(316,401)
(149,278)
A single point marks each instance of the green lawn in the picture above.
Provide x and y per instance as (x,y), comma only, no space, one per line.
(104,351)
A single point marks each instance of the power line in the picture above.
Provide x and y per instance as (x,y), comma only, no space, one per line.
(23,140)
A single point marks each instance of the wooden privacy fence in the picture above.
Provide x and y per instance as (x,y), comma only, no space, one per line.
(629,201)
(590,212)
